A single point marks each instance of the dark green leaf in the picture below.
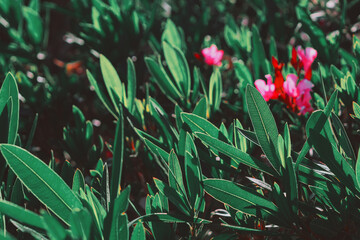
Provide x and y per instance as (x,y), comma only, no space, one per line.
(236,155)
(243,199)
(118,157)
(21,214)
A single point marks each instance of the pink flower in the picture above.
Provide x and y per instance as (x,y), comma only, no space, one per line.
(290,85)
(304,86)
(299,94)
(266,90)
(303,103)
(307,57)
(212,56)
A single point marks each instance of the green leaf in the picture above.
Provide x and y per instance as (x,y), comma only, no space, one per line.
(138,232)
(281,150)
(201,108)
(249,230)
(291,184)
(34,24)
(163,80)
(6,236)
(121,230)
(272,48)
(53,228)
(239,141)
(192,171)
(32,132)
(243,74)
(80,224)
(175,174)
(356,109)
(334,160)
(317,127)
(21,214)
(104,99)
(78,181)
(326,131)
(196,85)
(343,138)
(37,235)
(173,196)
(168,218)
(356,46)
(34,4)
(215,90)
(118,157)
(287,140)
(116,213)
(112,82)
(258,53)
(67,172)
(179,68)
(153,146)
(9,90)
(235,154)
(243,199)
(41,181)
(358,169)
(17,192)
(264,125)
(131,88)
(199,124)
(162,120)
(171,34)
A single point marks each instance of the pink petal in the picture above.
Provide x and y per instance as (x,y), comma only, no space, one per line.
(304,86)
(269,79)
(260,86)
(303,103)
(307,57)
(266,90)
(212,56)
(311,53)
(290,85)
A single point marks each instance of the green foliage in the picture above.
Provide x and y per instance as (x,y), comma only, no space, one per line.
(192,149)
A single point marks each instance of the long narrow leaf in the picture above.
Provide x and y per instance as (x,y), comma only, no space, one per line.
(43,182)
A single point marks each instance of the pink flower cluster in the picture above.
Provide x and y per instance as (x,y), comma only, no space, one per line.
(295,94)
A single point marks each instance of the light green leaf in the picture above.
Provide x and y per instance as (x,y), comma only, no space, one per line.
(104,99)
(112,82)
(34,24)
(163,80)
(138,232)
(264,125)
(175,174)
(192,171)
(179,68)
(131,88)
(41,181)
(78,181)
(9,90)
(171,34)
